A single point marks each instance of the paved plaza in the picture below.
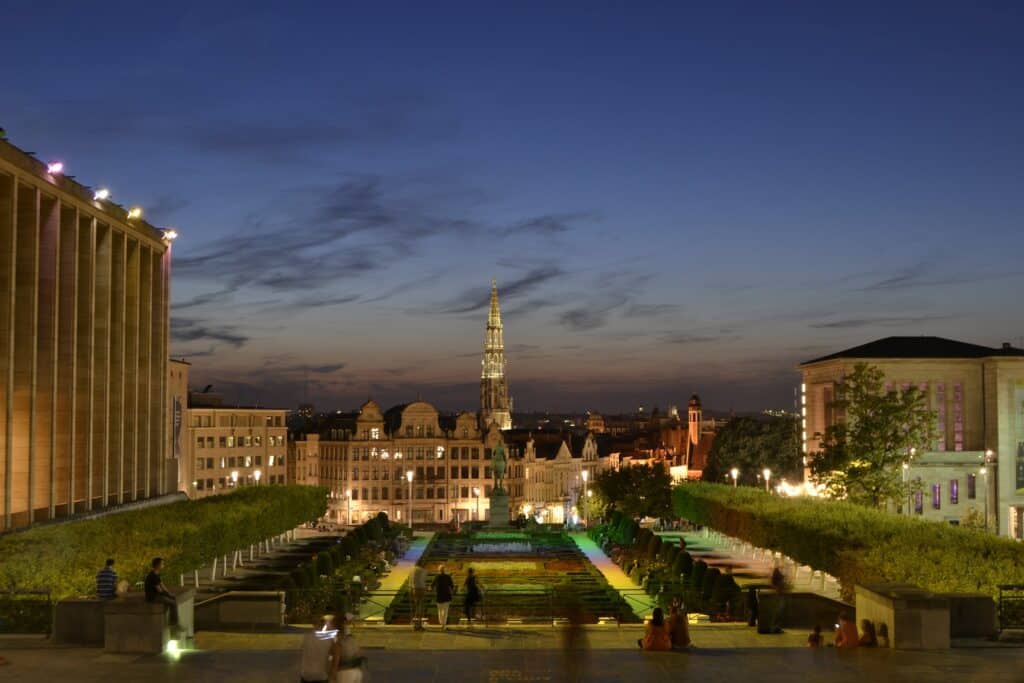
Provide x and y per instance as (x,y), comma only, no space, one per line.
(492,655)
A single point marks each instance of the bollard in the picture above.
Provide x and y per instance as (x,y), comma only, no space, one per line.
(195,577)
(213,571)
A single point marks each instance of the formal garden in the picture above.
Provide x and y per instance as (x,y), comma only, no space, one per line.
(667,571)
(525,575)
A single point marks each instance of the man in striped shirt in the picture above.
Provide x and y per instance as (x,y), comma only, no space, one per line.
(106,582)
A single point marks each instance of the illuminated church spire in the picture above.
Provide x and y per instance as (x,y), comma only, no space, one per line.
(495,406)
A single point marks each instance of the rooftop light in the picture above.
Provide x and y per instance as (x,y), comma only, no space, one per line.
(170,234)
(101,194)
(55,168)
(134,212)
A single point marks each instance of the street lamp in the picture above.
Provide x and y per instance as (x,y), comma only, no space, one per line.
(767,475)
(984,479)
(476,492)
(586,475)
(348,501)
(257,475)
(234,477)
(735,474)
(408,477)
(906,482)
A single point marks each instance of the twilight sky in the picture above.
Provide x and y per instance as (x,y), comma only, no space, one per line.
(673,198)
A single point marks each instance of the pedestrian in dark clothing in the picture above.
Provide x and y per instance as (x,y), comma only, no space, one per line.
(752,606)
(157,592)
(443,588)
(473,595)
(106,581)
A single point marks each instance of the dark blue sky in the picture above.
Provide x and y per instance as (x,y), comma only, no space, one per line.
(673,198)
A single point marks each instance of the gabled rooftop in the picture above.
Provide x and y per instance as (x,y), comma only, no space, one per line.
(920,347)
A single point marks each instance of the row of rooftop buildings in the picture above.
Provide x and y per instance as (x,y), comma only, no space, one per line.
(95,415)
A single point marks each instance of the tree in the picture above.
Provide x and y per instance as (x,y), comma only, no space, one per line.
(642,491)
(750,445)
(862,455)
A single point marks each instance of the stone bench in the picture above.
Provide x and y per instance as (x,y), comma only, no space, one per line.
(79,621)
(256,610)
(916,619)
(133,625)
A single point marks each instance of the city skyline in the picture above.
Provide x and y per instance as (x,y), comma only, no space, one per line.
(677,201)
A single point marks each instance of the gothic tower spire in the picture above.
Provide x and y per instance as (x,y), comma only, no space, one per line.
(495,406)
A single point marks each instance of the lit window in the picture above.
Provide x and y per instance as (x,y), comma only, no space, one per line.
(972,486)
(954,491)
(936,496)
(375,433)
(270,461)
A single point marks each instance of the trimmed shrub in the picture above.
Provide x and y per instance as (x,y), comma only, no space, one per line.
(653,546)
(707,584)
(324,565)
(63,558)
(683,564)
(726,590)
(857,544)
(696,577)
(669,553)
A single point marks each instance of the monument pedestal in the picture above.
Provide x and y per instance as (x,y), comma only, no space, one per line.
(499,516)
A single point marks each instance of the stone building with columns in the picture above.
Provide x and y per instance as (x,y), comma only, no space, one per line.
(84,316)
(977,393)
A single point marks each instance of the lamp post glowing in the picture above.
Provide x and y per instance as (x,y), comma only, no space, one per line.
(767,475)
(735,473)
(906,484)
(234,477)
(257,475)
(586,515)
(348,503)
(476,492)
(984,479)
(408,477)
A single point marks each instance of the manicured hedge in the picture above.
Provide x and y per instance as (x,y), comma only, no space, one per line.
(857,544)
(64,558)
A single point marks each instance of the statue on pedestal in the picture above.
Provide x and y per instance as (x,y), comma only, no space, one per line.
(498,463)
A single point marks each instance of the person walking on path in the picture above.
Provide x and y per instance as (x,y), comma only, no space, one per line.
(317,648)
(157,592)
(418,586)
(444,589)
(473,595)
(106,581)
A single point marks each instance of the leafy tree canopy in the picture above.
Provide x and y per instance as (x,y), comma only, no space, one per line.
(750,445)
(862,455)
(642,491)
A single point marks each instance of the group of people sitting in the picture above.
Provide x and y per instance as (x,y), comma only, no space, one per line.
(666,634)
(847,636)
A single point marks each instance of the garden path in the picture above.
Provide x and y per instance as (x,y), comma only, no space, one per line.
(641,603)
(379,600)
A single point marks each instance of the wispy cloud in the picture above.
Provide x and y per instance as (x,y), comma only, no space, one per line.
(548,224)
(879,321)
(478,298)
(191,329)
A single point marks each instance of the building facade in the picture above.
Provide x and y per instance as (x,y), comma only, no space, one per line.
(495,404)
(976,461)
(84,291)
(228,447)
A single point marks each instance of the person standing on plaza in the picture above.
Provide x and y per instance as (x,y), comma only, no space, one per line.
(157,592)
(347,663)
(444,589)
(418,588)
(473,595)
(106,581)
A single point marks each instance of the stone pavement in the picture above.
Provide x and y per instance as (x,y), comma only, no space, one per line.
(764,665)
(637,599)
(379,600)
